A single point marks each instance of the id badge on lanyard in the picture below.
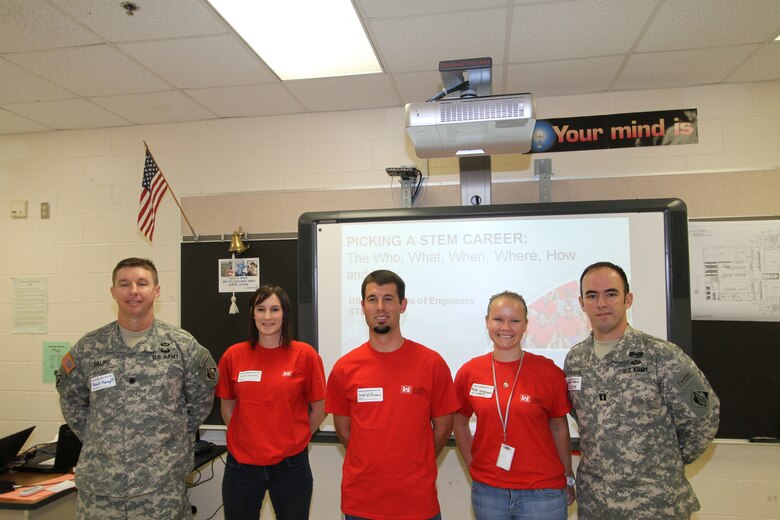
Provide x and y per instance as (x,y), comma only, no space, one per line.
(506,452)
(505,455)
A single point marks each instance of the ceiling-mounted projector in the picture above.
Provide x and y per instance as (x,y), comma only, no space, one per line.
(486,125)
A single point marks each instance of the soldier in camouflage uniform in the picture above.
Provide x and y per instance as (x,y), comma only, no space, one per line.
(643,408)
(135,391)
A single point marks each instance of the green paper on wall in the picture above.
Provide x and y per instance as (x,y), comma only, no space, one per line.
(51,357)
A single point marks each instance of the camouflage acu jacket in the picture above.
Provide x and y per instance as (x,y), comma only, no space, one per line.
(643,412)
(135,408)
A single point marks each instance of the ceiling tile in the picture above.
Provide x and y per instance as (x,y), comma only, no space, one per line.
(177,60)
(666,69)
(212,61)
(27,25)
(156,19)
(588,28)
(418,44)
(250,100)
(559,78)
(19,86)
(11,123)
(680,24)
(345,93)
(418,86)
(407,8)
(90,71)
(156,107)
(67,114)
(762,66)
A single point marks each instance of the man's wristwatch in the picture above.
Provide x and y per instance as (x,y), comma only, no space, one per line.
(570,482)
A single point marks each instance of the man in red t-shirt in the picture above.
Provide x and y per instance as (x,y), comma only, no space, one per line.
(392,402)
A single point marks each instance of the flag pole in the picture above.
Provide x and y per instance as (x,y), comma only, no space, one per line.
(172,194)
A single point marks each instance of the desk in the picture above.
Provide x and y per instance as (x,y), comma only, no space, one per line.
(57,506)
(62,505)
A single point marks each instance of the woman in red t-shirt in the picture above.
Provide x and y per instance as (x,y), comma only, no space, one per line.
(272,391)
(519,456)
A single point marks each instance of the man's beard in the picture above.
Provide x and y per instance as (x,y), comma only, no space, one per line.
(382,329)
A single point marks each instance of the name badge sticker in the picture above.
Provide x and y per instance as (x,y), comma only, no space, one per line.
(574,382)
(250,376)
(478,390)
(103,382)
(370,395)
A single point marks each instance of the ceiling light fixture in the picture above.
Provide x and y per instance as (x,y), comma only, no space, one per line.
(303,39)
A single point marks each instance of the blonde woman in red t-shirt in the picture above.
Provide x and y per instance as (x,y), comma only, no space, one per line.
(519,456)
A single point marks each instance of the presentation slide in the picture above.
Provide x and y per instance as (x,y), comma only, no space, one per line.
(453,266)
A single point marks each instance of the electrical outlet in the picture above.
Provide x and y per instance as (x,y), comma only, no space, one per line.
(44,210)
(18,209)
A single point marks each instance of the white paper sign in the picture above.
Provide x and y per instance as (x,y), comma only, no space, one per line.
(30,306)
(238,274)
(734,269)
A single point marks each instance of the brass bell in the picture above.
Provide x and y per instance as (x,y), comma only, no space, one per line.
(236,244)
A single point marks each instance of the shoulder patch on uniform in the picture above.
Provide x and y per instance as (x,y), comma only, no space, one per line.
(700,398)
(211,373)
(67,363)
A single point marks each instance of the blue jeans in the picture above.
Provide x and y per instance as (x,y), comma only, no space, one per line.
(350,517)
(289,483)
(492,503)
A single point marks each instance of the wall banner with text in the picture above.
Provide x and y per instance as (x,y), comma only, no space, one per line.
(569,134)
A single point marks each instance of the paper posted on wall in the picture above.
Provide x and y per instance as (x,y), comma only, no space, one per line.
(238,274)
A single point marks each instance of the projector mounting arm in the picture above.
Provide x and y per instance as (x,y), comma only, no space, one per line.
(472,76)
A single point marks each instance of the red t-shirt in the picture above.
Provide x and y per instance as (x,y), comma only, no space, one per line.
(390,470)
(272,389)
(540,394)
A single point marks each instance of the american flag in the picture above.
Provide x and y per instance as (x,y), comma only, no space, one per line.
(153,188)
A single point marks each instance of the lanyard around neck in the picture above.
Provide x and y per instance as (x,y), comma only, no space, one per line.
(505,418)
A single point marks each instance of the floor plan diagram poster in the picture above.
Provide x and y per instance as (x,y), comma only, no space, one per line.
(735,269)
